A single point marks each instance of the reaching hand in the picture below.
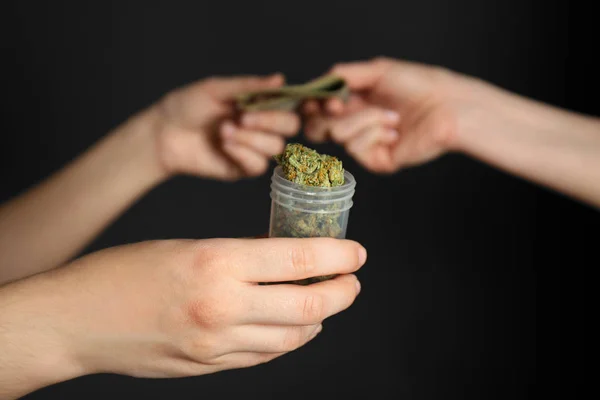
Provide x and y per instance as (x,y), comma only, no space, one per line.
(399,114)
(199,132)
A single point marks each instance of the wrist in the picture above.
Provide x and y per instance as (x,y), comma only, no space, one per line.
(138,137)
(490,114)
(35,348)
(539,142)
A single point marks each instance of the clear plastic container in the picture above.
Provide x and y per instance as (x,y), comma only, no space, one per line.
(307,211)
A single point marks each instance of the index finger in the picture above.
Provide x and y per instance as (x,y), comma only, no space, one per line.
(287,259)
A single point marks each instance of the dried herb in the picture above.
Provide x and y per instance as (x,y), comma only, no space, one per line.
(306,166)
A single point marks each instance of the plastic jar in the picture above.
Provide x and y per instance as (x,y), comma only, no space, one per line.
(308,211)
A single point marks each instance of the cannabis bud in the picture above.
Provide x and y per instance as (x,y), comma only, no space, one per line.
(311,196)
(307,167)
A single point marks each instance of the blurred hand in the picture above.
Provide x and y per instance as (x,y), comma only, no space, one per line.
(185,307)
(399,114)
(199,132)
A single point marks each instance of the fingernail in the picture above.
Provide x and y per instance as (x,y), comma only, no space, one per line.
(228,130)
(392,116)
(249,119)
(392,134)
(362,255)
(357,286)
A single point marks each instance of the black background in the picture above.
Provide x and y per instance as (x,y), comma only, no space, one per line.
(468,267)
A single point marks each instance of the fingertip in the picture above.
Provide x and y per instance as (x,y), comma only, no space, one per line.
(335,106)
(350,280)
(228,129)
(362,255)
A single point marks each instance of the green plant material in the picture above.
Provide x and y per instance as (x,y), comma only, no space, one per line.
(306,166)
(289,97)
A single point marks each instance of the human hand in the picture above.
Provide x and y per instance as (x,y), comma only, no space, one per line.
(176,308)
(200,133)
(399,114)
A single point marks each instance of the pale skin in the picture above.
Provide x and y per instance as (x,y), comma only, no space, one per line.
(403,114)
(168,308)
(171,308)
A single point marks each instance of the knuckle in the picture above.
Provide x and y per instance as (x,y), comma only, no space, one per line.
(206,257)
(313,308)
(301,260)
(209,313)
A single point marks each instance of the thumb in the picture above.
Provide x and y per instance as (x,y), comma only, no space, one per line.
(361,75)
(225,88)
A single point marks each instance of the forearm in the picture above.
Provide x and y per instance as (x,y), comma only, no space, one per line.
(544,144)
(33,352)
(54,220)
